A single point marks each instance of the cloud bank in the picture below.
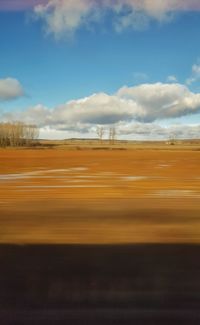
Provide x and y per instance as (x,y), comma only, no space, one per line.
(135,131)
(64,17)
(131,109)
(10,89)
(156,131)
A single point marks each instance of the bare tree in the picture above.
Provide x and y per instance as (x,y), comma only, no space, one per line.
(17,134)
(100,132)
(172,139)
(112,135)
(31,133)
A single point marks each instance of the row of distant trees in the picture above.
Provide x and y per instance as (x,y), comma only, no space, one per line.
(111,134)
(17,134)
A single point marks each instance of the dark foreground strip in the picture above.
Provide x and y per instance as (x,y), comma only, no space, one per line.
(91,284)
(101,316)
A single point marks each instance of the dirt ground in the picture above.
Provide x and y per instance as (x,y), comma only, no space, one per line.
(99,196)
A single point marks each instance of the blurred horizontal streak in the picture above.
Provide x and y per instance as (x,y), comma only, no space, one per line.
(100,221)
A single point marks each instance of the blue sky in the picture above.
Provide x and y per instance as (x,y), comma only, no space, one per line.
(89,61)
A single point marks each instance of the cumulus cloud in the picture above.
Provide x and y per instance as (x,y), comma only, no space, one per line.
(10,89)
(79,114)
(130,109)
(66,16)
(161,101)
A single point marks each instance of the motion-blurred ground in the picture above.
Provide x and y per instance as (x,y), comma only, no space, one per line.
(149,194)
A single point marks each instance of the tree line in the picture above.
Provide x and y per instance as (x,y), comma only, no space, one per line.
(17,134)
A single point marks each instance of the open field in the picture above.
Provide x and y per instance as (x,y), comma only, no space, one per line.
(100,196)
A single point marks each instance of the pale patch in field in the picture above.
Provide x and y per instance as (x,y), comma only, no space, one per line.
(133,178)
(176,193)
(39,173)
(10,177)
(162,166)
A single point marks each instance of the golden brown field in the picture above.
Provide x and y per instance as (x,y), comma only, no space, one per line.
(144,195)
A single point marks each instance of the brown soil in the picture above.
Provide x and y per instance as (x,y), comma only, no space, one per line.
(97,196)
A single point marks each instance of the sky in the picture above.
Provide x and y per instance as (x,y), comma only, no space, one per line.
(70,66)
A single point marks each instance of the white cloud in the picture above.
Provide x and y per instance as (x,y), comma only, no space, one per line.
(161,101)
(130,109)
(64,17)
(172,79)
(195,75)
(10,89)
(49,133)
(155,131)
(79,114)
(33,115)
